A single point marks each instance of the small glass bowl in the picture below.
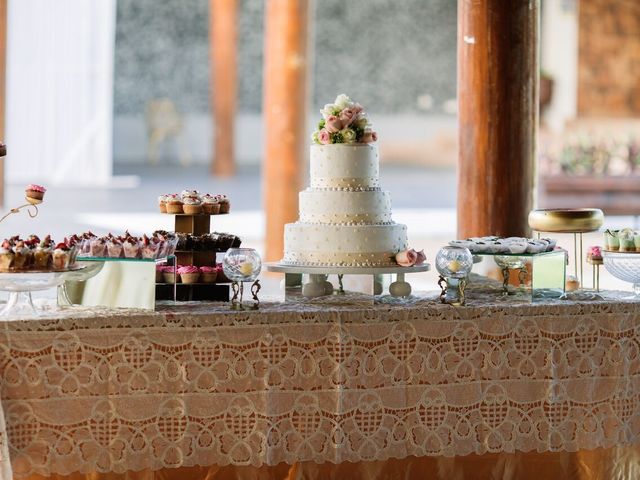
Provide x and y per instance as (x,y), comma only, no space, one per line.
(625,267)
(454,262)
(241,264)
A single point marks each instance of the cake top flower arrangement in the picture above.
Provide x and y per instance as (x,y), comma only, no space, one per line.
(343,121)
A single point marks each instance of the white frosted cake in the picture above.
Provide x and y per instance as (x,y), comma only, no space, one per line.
(345,218)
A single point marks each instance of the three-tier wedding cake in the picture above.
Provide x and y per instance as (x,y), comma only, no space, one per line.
(345,218)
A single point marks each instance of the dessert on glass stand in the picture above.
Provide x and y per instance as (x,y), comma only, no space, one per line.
(345,224)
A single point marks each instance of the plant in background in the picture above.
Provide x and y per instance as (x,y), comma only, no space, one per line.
(589,157)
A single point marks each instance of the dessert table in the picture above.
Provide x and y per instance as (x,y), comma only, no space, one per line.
(310,390)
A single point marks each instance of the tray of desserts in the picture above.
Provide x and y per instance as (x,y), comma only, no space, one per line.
(192,202)
(190,275)
(509,246)
(213,242)
(159,245)
(37,256)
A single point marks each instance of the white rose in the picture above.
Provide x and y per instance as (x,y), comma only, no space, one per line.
(362,122)
(327,110)
(348,135)
(342,101)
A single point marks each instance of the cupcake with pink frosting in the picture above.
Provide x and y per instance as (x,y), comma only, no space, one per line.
(189,274)
(34,193)
(169,274)
(208,274)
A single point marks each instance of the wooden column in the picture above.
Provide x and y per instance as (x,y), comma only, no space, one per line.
(3,91)
(285,102)
(498,115)
(222,47)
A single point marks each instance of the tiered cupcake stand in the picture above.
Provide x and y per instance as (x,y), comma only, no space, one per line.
(313,282)
(198,224)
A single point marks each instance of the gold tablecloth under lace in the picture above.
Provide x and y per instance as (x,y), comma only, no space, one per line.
(96,390)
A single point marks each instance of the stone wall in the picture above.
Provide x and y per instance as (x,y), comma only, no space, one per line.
(393,56)
(609,58)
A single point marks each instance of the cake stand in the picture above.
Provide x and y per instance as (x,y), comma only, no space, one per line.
(21,284)
(624,266)
(319,286)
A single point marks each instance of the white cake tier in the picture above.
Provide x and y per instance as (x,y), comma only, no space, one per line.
(345,207)
(343,245)
(342,166)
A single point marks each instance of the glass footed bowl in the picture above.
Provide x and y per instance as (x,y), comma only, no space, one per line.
(454,262)
(242,264)
(625,267)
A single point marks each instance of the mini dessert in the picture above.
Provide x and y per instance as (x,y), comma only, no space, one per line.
(189,274)
(61,256)
(611,240)
(572,283)
(627,243)
(636,240)
(225,205)
(98,247)
(594,255)
(192,206)
(210,204)
(131,247)
(173,204)
(43,254)
(34,193)
(208,274)
(6,256)
(162,203)
(149,248)
(169,275)
(160,273)
(115,249)
(22,256)
(190,194)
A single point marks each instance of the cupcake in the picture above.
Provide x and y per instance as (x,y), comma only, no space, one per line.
(6,256)
(160,273)
(162,203)
(189,274)
(42,255)
(169,275)
(115,249)
(22,256)
(225,206)
(572,283)
(208,274)
(131,247)
(61,256)
(192,206)
(210,205)
(173,204)
(190,194)
(611,240)
(34,193)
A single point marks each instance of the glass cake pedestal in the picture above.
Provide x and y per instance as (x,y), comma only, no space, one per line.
(313,282)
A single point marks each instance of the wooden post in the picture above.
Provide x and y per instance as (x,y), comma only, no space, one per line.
(223,86)
(498,115)
(285,112)
(3,90)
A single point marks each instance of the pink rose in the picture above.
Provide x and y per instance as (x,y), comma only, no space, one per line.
(406,258)
(324,137)
(421,257)
(356,108)
(347,116)
(333,124)
(369,137)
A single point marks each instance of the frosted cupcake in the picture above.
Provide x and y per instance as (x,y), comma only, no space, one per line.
(34,193)
(192,206)
(210,205)
(225,205)
(159,273)
(190,194)
(173,204)
(162,203)
(189,274)
(169,275)
(208,274)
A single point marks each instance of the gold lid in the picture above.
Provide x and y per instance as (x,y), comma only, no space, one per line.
(566,220)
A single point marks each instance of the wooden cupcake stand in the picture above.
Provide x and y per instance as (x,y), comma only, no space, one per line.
(198,224)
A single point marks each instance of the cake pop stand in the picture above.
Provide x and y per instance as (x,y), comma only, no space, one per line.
(319,286)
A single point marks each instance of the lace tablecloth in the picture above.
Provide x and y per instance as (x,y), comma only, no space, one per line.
(118,390)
